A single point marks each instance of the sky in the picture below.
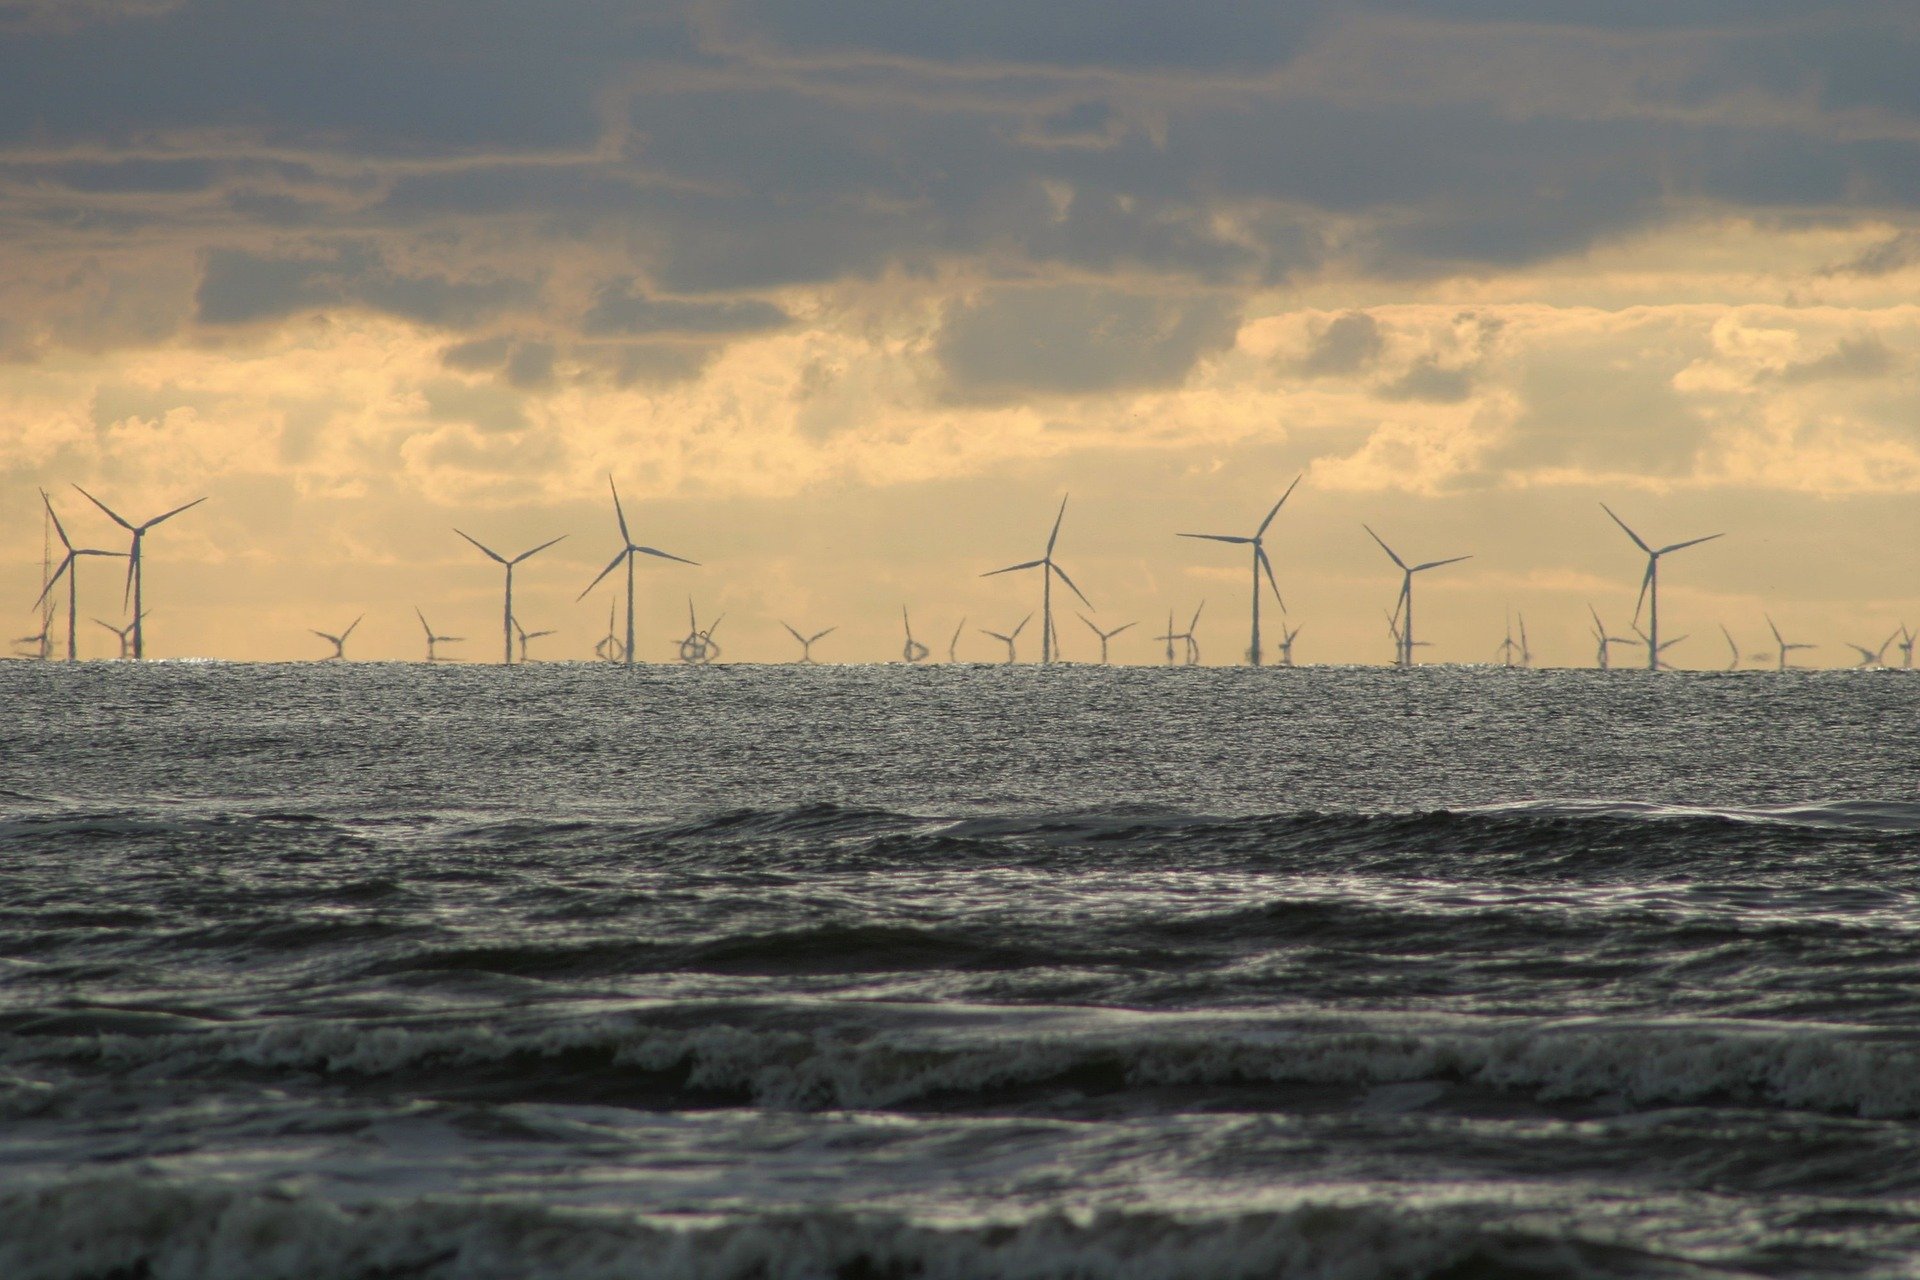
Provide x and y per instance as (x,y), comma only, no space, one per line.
(847,296)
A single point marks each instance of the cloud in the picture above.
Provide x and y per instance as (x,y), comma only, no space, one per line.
(1858,357)
(1073,340)
(1349,343)
(622,311)
(241,288)
(1430,381)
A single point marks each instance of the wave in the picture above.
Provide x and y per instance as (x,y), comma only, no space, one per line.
(82,1228)
(816,1056)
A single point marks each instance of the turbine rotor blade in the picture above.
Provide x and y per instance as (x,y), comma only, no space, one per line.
(822,634)
(349,630)
(1630,533)
(611,566)
(1014,568)
(57,574)
(1384,547)
(655,551)
(111,513)
(1260,554)
(57,526)
(537,550)
(1691,542)
(1215,537)
(171,514)
(1069,581)
(490,553)
(618,513)
(1646,584)
(1262,531)
(1435,564)
(1023,624)
(1061,515)
(795,634)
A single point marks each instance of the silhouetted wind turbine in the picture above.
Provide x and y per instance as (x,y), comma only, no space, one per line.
(953,645)
(1733,649)
(628,550)
(806,642)
(914,650)
(1049,641)
(506,622)
(1905,646)
(1261,564)
(1105,636)
(1399,642)
(433,639)
(1193,643)
(1170,637)
(699,648)
(42,642)
(1403,610)
(1285,647)
(338,642)
(608,650)
(70,566)
(1647,642)
(525,635)
(1650,584)
(1873,657)
(1009,638)
(1780,640)
(126,637)
(134,578)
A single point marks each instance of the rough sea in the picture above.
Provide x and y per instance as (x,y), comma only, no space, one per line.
(464,973)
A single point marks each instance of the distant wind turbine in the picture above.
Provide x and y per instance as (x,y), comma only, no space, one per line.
(699,648)
(1285,647)
(1873,657)
(953,645)
(1659,653)
(628,550)
(1170,637)
(1193,642)
(1105,636)
(1650,584)
(1261,564)
(42,642)
(1049,639)
(338,642)
(1400,645)
(1785,648)
(1403,609)
(524,635)
(70,566)
(124,633)
(806,642)
(506,619)
(433,639)
(1733,649)
(1905,646)
(914,650)
(608,650)
(134,575)
(1009,638)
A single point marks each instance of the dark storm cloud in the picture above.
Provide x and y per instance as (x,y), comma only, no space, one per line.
(743,145)
(1076,340)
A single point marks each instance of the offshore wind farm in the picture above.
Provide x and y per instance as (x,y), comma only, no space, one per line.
(1232,641)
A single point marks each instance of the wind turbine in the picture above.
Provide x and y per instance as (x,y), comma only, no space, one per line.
(339,642)
(1403,610)
(1780,640)
(1507,647)
(1285,647)
(1873,657)
(806,642)
(1105,636)
(1009,638)
(1650,584)
(1906,647)
(699,648)
(526,635)
(1399,641)
(1193,645)
(1049,641)
(1170,637)
(506,623)
(608,650)
(70,566)
(433,639)
(914,650)
(1733,649)
(953,645)
(628,550)
(1261,564)
(42,642)
(134,578)
(1659,658)
(126,637)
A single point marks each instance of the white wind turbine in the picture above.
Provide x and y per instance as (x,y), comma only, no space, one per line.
(628,550)
(1780,640)
(1009,638)
(806,642)
(1105,636)
(1049,639)
(70,566)
(1261,564)
(1403,609)
(914,650)
(506,621)
(1650,586)
(134,575)
(433,639)
(338,642)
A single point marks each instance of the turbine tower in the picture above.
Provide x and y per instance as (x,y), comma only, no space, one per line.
(1780,640)
(506,622)
(1403,608)
(433,639)
(134,578)
(1170,637)
(1010,637)
(806,642)
(1659,658)
(914,650)
(1105,636)
(1650,585)
(628,550)
(1049,640)
(339,642)
(70,566)
(1261,564)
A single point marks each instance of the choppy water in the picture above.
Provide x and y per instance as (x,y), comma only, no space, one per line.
(390,971)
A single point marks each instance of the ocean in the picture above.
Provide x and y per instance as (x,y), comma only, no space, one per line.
(384,971)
